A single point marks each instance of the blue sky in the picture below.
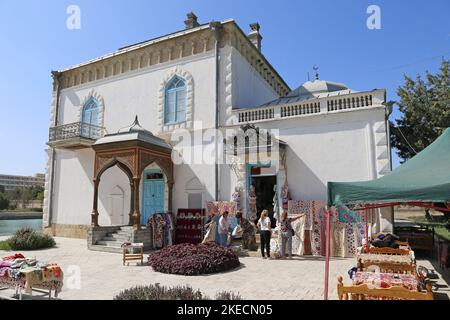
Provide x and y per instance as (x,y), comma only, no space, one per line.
(414,35)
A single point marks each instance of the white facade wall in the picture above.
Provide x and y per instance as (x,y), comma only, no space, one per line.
(74,189)
(124,96)
(136,93)
(249,88)
(345,146)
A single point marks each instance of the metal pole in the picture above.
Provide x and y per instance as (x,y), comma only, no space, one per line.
(327,252)
(215,26)
(366,249)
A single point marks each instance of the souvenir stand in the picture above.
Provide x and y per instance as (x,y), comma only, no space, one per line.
(23,274)
(189,226)
(422,181)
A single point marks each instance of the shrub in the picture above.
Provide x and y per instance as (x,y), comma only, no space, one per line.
(157,292)
(28,239)
(190,259)
(4,202)
(4,245)
(228,295)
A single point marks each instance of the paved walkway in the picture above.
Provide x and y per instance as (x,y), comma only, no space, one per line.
(103,276)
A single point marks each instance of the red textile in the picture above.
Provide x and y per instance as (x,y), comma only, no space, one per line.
(15,256)
(189,225)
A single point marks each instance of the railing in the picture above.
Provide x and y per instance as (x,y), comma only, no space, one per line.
(335,104)
(255,115)
(75,130)
(317,106)
(300,109)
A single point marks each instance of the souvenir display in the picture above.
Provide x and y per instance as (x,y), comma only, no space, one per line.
(189,225)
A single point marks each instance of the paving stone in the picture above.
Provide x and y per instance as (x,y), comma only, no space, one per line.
(103,276)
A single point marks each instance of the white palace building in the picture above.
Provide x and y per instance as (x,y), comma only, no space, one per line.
(113,119)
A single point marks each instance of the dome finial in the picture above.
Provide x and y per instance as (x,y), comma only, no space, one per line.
(316,74)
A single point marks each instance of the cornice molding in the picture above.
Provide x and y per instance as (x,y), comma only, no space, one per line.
(169,50)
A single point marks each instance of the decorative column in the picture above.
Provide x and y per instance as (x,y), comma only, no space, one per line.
(130,215)
(169,204)
(94,215)
(136,213)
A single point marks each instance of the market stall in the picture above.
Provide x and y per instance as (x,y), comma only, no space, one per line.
(422,181)
(24,274)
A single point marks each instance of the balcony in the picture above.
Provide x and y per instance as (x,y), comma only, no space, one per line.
(75,135)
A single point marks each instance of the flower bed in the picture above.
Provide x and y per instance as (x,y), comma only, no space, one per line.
(190,259)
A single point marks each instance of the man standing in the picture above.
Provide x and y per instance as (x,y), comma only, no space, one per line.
(223,229)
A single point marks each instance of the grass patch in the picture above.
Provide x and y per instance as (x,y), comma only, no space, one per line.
(439,227)
(4,245)
(443,233)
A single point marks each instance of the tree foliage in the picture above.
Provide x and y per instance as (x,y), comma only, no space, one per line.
(425,107)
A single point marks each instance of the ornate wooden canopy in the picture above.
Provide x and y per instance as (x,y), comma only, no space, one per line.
(132,150)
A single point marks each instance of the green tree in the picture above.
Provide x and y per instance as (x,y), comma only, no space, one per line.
(4,202)
(425,107)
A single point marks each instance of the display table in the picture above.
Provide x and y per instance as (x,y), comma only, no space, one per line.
(26,274)
(385,280)
(129,253)
(387,258)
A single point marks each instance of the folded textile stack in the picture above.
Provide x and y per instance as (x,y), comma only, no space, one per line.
(18,271)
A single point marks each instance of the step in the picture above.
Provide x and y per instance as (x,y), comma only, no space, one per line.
(97,247)
(119,236)
(115,239)
(115,244)
(130,232)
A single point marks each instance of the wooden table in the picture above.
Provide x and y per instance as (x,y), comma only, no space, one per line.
(385,280)
(130,255)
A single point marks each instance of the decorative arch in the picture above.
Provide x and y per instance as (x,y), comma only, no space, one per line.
(115,162)
(189,81)
(101,107)
(97,176)
(132,157)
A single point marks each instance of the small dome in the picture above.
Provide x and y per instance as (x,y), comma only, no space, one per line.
(311,88)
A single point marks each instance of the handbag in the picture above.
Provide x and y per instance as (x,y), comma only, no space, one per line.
(293,232)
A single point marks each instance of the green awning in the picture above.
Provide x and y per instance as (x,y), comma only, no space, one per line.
(423,178)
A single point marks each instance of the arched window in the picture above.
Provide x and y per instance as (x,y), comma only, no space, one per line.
(175,101)
(90,119)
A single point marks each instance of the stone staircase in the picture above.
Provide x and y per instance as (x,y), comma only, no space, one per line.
(114,238)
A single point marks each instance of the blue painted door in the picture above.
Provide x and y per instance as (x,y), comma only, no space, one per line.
(153,194)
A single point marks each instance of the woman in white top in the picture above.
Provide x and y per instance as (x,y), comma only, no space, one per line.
(223,229)
(265,226)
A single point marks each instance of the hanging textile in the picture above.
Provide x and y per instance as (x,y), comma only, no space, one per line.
(299,238)
(156,223)
(350,214)
(219,207)
(168,229)
(301,207)
(347,229)
(211,233)
(252,209)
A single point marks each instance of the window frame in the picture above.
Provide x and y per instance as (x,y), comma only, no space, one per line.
(176,90)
